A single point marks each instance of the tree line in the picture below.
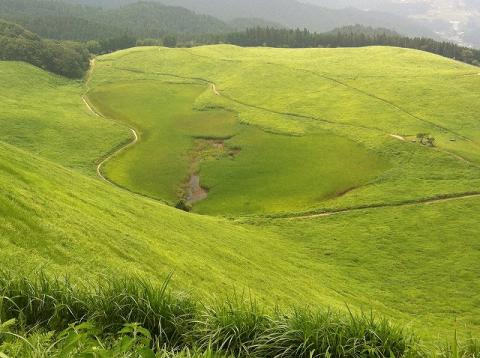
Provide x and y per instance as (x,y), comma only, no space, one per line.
(354,36)
(71,59)
(65,58)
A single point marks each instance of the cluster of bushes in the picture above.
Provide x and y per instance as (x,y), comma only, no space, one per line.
(132,315)
(68,59)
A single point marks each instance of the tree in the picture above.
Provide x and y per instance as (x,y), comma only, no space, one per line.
(93,46)
(64,58)
(431,141)
(183,205)
(170,41)
(421,137)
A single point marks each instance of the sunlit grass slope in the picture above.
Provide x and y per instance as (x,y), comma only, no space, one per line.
(418,264)
(45,114)
(366,95)
(422,274)
(279,173)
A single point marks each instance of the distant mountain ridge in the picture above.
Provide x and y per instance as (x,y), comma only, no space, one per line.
(455,20)
(289,13)
(67,21)
(86,20)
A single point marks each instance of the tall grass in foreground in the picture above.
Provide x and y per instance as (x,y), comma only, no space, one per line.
(170,322)
(468,349)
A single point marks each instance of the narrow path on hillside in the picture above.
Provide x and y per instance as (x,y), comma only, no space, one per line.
(387,102)
(249,105)
(427,201)
(114,153)
(365,93)
(122,148)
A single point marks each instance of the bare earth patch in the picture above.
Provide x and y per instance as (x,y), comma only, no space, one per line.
(204,149)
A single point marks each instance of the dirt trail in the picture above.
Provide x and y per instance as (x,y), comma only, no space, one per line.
(429,201)
(214,87)
(114,154)
(84,99)
(399,137)
(98,114)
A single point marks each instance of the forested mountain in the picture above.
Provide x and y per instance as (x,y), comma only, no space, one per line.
(455,20)
(243,23)
(290,13)
(64,58)
(58,20)
(364,30)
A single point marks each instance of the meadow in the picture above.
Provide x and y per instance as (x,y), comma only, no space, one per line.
(416,264)
(295,97)
(252,171)
(167,127)
(45,114)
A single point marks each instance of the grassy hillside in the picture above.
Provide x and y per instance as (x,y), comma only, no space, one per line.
(416,263)
(305,93)
(44,114)
(422,275)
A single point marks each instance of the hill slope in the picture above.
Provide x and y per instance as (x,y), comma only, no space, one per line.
(373,110)
(295,14)
(68,222)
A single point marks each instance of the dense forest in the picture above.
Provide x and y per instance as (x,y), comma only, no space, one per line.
(63,21)
(64,58)
(352,36)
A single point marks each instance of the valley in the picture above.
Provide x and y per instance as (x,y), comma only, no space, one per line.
(282,138)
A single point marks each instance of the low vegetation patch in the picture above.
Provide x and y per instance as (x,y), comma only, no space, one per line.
(125,315)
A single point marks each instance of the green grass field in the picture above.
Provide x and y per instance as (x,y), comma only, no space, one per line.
(45,115)
(278,113)
(167,126)
(252,171)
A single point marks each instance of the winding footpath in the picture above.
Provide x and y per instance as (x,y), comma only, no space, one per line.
(96,113)
(427,201)
(115,153)
(293,216)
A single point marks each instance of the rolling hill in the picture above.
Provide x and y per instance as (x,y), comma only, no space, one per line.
(398,236)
